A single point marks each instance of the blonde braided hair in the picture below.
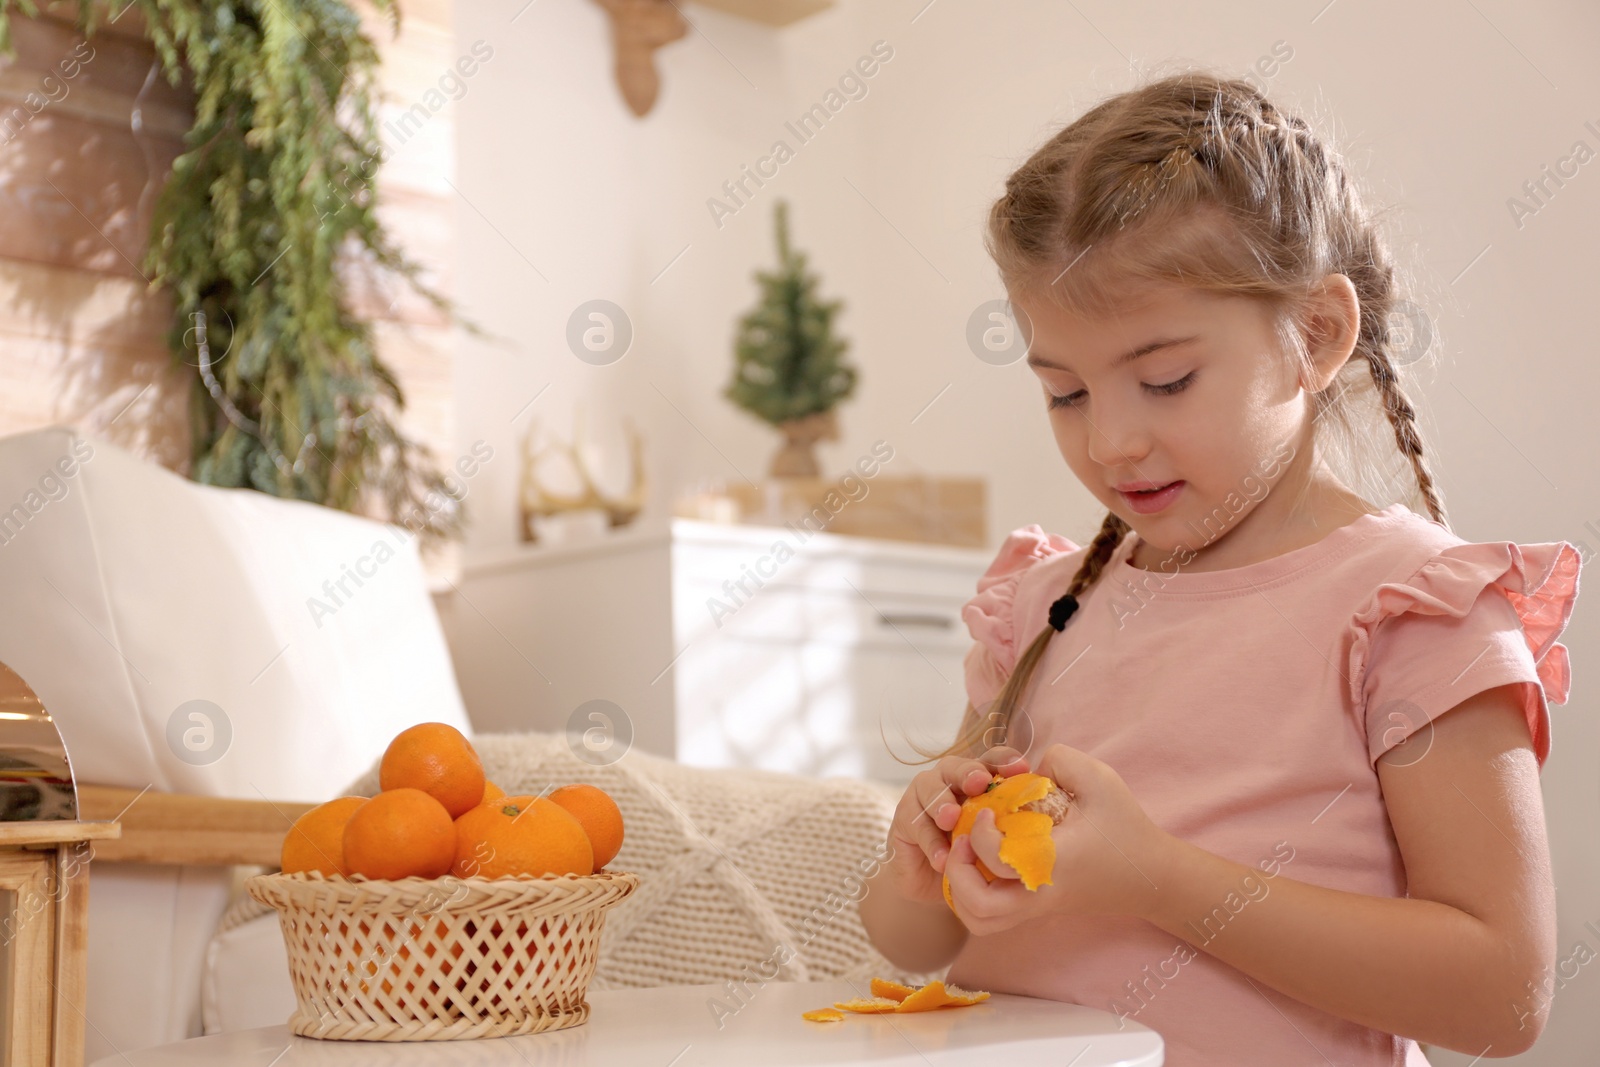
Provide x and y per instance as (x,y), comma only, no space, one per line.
(1130,192)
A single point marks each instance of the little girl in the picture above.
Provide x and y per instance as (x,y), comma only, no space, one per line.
(1301,734)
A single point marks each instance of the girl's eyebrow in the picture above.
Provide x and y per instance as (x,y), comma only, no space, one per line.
(1126,357)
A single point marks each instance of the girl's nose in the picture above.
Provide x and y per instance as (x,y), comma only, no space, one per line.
(1116,440)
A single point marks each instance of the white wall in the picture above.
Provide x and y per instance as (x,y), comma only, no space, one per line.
(1445,110)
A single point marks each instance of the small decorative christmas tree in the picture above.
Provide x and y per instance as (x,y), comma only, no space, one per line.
(788,368)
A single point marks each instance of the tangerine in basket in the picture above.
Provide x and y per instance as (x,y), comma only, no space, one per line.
(316,840)
(400,833)
(381,955)
(520,835)
(438,759)
(599,814)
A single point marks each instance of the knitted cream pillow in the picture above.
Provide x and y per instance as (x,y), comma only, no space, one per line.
(745,875)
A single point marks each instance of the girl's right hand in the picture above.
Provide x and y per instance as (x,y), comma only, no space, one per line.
(920,832)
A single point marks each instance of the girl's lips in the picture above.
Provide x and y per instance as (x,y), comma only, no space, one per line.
(1150,503)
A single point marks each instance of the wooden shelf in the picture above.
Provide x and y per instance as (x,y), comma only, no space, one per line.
(183,829)
(771,12)
(945,510)
(54,832)
(680,530)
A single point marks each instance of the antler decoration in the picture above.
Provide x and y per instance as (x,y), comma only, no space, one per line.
(541,502)
(638,28)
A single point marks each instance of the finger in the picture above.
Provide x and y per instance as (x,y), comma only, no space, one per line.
(1072,770)
(1006,760)
(927,839)
(935,844)
(975,896)
(966,777)
(915,824)
(939,805)
(966,883)
(985,842)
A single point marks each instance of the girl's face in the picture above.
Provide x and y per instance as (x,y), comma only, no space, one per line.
(1211,404)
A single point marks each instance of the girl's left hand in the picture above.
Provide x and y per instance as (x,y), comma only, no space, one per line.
(1108,854)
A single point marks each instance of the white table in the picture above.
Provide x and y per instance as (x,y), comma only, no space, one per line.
(673,1026)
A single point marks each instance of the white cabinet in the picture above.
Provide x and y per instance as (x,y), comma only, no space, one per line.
(726,645)
(845,651)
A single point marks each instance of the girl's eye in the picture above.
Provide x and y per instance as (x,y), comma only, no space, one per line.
(1173,387)
(1071,399)
(1068,401)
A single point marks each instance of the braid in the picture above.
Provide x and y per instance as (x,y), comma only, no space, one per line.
(1199,180)
(979,736)
(1404,419)
(1112,531)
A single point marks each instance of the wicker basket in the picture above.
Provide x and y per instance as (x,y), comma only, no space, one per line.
(431,959)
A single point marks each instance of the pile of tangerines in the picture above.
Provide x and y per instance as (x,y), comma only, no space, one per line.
(436,814)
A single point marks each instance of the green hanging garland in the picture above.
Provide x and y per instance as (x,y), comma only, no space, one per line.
(276,187)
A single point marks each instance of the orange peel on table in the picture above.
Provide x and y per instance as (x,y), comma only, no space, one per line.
(868,1005)
(883,987)
(1026,808)
(890,998)
(937,994)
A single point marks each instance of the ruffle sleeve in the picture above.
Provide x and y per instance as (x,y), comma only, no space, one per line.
(1473,617)
(989,614)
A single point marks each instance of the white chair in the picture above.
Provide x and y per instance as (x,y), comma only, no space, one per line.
(206,642)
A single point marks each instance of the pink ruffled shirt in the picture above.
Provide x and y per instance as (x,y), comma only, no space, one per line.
(1322,659)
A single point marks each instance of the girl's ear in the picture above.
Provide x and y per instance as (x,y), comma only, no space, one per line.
(1333,323)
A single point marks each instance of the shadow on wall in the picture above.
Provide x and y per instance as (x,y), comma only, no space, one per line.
(87,341)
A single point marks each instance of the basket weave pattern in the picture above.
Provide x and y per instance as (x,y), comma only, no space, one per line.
(425,959)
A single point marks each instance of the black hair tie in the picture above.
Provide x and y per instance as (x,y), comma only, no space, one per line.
(1062,610)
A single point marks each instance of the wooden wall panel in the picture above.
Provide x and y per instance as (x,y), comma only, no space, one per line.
(425,224)
(80,335)
(89,350)
(417,204)
(78,192)
(83,339)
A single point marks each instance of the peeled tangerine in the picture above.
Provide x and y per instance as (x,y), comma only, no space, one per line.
(1026,806)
